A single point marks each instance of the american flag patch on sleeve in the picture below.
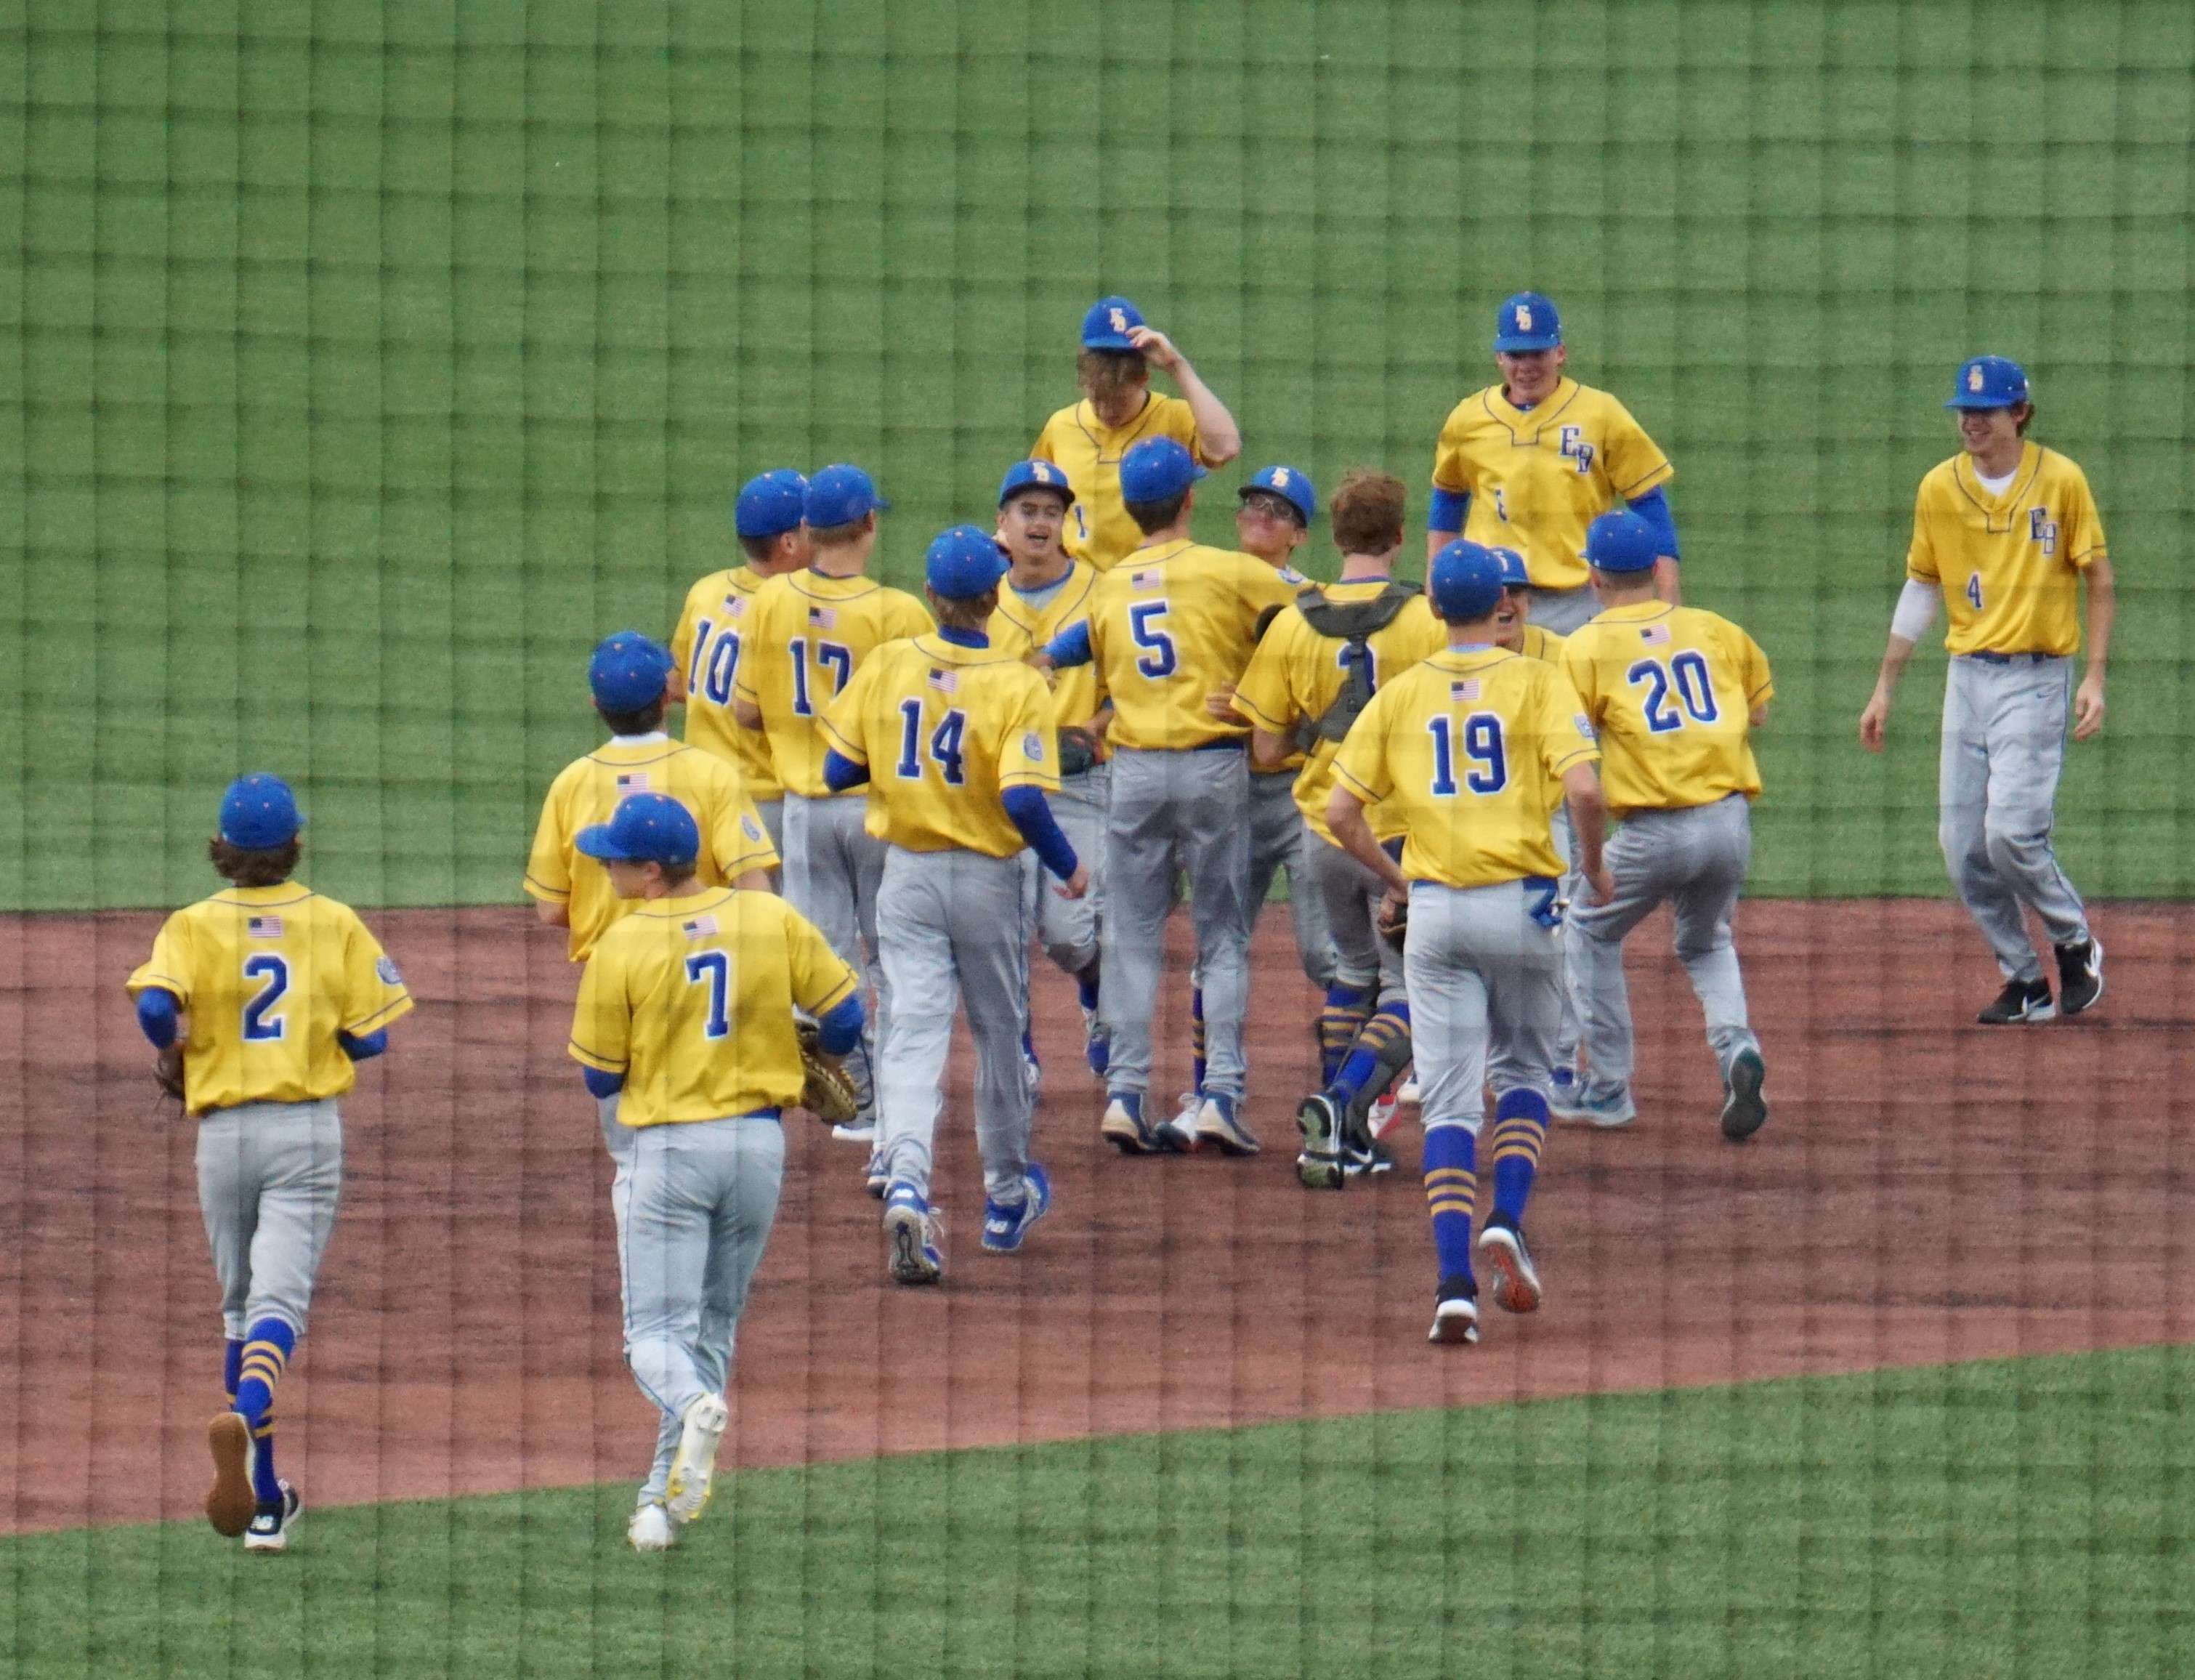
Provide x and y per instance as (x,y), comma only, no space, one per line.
(698,928)
(1466,688)
(632,782)
(823,618)
(1654,635)
(945,682)
(735,605)
(263,927)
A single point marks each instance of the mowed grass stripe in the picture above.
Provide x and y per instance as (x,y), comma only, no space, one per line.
(2014,1517)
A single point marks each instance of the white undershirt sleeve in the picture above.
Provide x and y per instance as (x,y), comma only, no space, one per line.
(1916,610)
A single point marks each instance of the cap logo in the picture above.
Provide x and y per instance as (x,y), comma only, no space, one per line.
(1280,478)
(1523,317)
(1119,320)
(1974,378)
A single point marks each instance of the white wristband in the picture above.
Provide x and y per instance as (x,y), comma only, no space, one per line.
(1916,610)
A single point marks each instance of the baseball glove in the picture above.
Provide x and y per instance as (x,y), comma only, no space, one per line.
(1394,920)
(1078,749)
(829,1094)
(168,1071)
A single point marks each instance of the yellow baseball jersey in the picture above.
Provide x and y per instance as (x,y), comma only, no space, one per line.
(1542,645)
(1099,529)
(1537,477)
(691,998)
(268,975)
(806,636)
(1469,747)
(1297,674)
(707,644)
(1167,627)
(944,730)
(1668,690)
(1017,632)
(2008,565)
(587,790)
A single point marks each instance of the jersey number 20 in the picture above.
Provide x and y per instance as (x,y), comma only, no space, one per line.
(1480,738)
(1687,673)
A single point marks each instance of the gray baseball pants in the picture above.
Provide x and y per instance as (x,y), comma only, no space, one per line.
(1067,928)
(270,1174)
(1279,841)
(703,1198)
(772,813)
(1482,967)
(1563,611)
(2004,743)
(1350,893)
(833,867)
(1169,810)
(955,929)
(1695,858)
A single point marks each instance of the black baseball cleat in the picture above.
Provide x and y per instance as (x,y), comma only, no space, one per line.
(271,1525)
(1516,1280)
(1744,1112)
(2022,1001)
(2080,975)
(1319,1167)
(1455,1312)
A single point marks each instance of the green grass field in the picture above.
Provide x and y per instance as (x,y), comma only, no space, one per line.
(2021,1518)
(373,360)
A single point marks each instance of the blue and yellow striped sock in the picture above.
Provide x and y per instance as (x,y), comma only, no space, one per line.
(1374,1052)
(1520,1126)
(267,1346)
(231,1367)
(1451,1195)
(1347,1009)
(1196,1035)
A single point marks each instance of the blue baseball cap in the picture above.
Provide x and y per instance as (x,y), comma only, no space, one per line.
(1514,573)
(771,504)
(628,672)
(1106,326)
(1292,485)
(1989,382)
(259,812)
(1035,475)
(644,829)
(1528,321)
(1155,468)
(1621,542)
(962,562)
(840,495)
(1465,582)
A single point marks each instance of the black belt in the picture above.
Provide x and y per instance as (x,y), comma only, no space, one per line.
(2012,659)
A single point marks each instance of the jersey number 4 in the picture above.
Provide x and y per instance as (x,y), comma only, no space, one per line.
(945,744)
(831,656)
(1687,676)
(1483,748)
(1145,629)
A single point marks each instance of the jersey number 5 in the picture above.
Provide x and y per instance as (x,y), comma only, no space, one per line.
(262,1024)
(1143,628)
(714,969)
(945,743)
(1688,674)
(1483,748)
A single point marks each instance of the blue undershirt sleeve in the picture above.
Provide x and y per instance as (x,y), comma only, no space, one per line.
(838,1031)
(599,1084)
(1031,813)
(364,1049)
(1653,507)
(840,772)
(1448,510)
(157,1013)
(1071,647)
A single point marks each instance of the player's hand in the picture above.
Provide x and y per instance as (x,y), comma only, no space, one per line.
(1158,350)
(1220,703)
(1602,883)
(1874,721)
(1041,660)
(2089,706)
(1076,885)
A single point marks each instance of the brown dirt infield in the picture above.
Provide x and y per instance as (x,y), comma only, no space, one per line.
(1927,1191)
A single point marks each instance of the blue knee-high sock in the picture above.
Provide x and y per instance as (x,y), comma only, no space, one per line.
(1086,986)
(267,1346)
(1451,1194)
(1196,1035)
(1028,1043)
(1520,1126)
(266,1486)
(231,1367)
(1347,1009)
(1366,1055)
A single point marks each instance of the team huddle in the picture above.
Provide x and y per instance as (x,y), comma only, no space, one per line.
(1476,787)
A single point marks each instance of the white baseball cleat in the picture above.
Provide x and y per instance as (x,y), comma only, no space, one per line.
(692,1471)
(650,1529)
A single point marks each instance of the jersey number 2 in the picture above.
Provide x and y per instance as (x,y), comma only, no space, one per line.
(945,743)
(714,969)
(262,1023)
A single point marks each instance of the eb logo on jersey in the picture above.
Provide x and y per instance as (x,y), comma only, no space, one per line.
(2042,529)
(1572,447)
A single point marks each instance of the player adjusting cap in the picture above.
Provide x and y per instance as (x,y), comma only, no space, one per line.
(259,812)
(1528,321)
(1514,573)
(1035,475)
(963,562)
(1989,382)
(840,495)
(771,504)
(644,829)
(1292,485)
(1156,469)
(1621,542)
(1465,581)
(1106,326)
(628,672)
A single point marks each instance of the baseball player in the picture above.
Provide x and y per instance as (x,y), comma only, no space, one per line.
(1088,439)
(1475,747)
(770,516)
(1171,625)
(1674,694)
(2007,535)
(1314,671)
(807,633)
(1045,592)
(262,999)
(954,739)
(1527,463)
(686,1013)
(1272,522)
